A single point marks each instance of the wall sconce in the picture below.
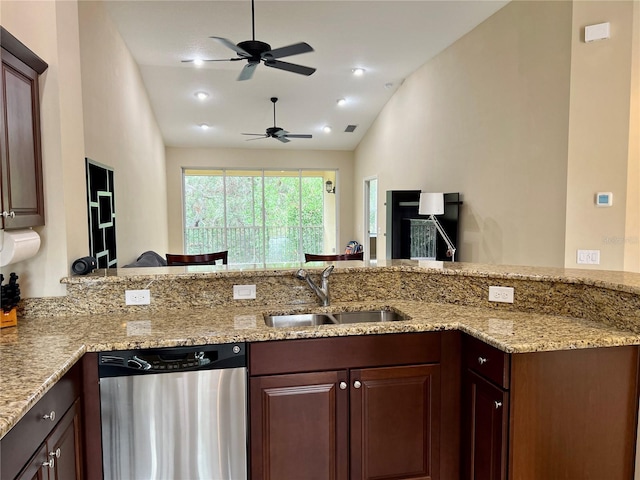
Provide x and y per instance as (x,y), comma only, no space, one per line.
(433,204)
(330,187)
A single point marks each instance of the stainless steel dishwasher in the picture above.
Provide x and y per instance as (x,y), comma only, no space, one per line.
(174,413)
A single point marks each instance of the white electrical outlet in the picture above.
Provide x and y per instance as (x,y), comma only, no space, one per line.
(244,292)
(588,257)
(501,294)
(137,297)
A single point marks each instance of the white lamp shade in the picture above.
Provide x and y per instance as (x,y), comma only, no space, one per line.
(431,204)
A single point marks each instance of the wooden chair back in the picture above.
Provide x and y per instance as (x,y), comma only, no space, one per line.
(311,257)
(199,259)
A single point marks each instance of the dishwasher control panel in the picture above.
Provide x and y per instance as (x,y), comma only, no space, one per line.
(172,359)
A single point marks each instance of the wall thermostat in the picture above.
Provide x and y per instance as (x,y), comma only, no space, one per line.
(604,199)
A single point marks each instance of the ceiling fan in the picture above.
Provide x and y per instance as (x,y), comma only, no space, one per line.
(277,132)
(255,51)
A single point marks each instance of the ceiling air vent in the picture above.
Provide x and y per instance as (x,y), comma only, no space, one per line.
(350,128)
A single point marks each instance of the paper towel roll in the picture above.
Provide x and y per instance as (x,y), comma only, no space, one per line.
(18,245)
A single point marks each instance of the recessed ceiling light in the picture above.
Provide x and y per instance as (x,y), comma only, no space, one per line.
(197,62)
(204,126)
(358,72)
(201,95)
(326,129)
(341,102)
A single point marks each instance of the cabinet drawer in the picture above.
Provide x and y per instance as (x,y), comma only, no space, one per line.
(486,361)
(19,444)
(336,353)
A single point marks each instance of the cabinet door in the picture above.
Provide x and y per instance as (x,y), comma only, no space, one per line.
(38,466)
(484,427)
(395,422)
(299,426)
(64,446)
(20,153)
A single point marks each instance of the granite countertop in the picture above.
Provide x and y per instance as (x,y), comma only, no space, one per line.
(39,351)
(616,280)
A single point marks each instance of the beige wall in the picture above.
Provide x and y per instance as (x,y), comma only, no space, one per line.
(50,29)
(488,117)
(177,158)
(632,232)
(121,132)
(598,159)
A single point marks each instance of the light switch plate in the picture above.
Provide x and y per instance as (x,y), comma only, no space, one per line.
(244,292)
(588,257)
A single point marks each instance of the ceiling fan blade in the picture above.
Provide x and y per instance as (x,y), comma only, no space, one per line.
(247,71)
(290,67)
(257,138)
(295,49)
(257,134)
(298,135)
(235,59)
(280,133)
(229,44)
(282,139)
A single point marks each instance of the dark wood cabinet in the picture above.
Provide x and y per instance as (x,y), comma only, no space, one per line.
(485,424)
(21,180)
(46,442)
(370,419)
(485,411)
(560,414)
(59,456)
(299,426)
(395,422)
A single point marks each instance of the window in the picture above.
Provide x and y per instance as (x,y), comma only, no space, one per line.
(260,216)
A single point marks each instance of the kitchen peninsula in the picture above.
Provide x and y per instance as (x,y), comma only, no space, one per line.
(566,318)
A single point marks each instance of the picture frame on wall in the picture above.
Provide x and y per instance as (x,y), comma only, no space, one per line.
(101,209)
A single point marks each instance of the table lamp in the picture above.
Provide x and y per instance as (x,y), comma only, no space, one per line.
(433,204)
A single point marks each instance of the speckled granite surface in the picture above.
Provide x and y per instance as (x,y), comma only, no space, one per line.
(554,309)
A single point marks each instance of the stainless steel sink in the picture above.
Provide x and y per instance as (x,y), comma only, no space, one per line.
(369,316)
(313,319)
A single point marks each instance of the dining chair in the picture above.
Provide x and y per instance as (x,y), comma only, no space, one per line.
(311,257)
(198,259)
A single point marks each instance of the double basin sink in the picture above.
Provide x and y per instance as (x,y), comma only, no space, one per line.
(313,319)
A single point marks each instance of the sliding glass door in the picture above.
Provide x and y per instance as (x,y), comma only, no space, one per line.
(261,217)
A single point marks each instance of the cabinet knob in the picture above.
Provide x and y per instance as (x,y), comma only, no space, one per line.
(55,454)
(482,360)
(357,384)
(11,214)
(343,385)
(51,463)
(497,404)
(50,416)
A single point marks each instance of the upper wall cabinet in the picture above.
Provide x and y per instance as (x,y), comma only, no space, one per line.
(21,193)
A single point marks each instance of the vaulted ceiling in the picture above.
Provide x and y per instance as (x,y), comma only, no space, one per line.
(388,39)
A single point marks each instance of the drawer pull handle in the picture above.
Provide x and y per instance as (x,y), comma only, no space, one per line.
(51,463)
(498,404)
(55,454)
(482,360)
(343,385)
(357,384)
(50,416)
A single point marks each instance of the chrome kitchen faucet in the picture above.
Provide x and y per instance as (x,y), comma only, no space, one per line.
(323,291)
